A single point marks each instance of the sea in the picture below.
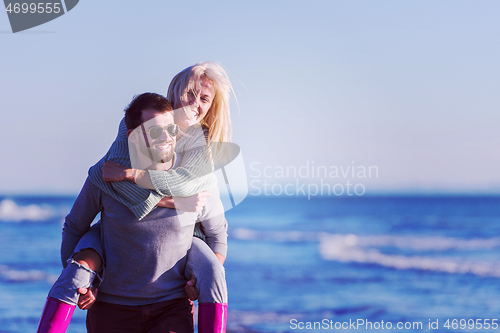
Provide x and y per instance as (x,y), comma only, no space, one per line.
(367,264)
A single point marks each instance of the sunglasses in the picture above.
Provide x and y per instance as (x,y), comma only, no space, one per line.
(156,131)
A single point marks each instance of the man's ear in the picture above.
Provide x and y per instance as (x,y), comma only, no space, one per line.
(132,135)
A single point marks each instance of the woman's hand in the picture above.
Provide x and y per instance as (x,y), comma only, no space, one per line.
(194,203)
(190,289)
(114,172)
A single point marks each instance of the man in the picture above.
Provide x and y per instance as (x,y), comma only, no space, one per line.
(143,287)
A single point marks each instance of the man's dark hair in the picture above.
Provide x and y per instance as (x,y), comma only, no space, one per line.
(133,112)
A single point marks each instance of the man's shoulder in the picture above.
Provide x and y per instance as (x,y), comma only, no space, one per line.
(89,186)
(90,189)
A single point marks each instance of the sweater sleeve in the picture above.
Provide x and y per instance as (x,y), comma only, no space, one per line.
(139,200)
(194,173)
(84,210)
(192,176)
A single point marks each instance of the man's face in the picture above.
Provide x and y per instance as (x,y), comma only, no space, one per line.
(160,144)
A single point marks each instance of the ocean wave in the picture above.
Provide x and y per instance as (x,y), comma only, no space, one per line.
(348,248)
(241,321)
(277,236)
(13,275)
(418,243)
(365,249)
(429,243)
(11,212)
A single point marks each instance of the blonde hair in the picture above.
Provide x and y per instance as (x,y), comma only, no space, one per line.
(218,118)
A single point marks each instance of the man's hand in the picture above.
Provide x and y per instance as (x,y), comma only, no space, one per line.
(194,203)
(87,297)
(190,289)
(114,172)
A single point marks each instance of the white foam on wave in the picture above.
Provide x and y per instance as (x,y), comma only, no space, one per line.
(349,248)
(12,275)
(363,249)
(429,243)
(418,243)
(11,212)
(277,236)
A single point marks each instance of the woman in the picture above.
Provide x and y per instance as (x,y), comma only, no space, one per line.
(200,94)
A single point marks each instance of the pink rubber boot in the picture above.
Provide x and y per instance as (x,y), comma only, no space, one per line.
(56,316)
(212,317)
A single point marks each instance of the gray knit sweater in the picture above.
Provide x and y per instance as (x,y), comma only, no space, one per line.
(145,259)
(193,176)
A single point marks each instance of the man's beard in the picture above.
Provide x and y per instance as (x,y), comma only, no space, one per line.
(157,155)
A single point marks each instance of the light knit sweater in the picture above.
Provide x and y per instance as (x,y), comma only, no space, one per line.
(193,175)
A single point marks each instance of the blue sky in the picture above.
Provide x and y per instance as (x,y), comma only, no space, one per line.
(408,86)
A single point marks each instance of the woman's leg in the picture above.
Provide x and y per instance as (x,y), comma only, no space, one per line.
(79,273)
(203,265)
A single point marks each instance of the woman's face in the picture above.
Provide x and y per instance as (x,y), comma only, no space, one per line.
(196,104)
